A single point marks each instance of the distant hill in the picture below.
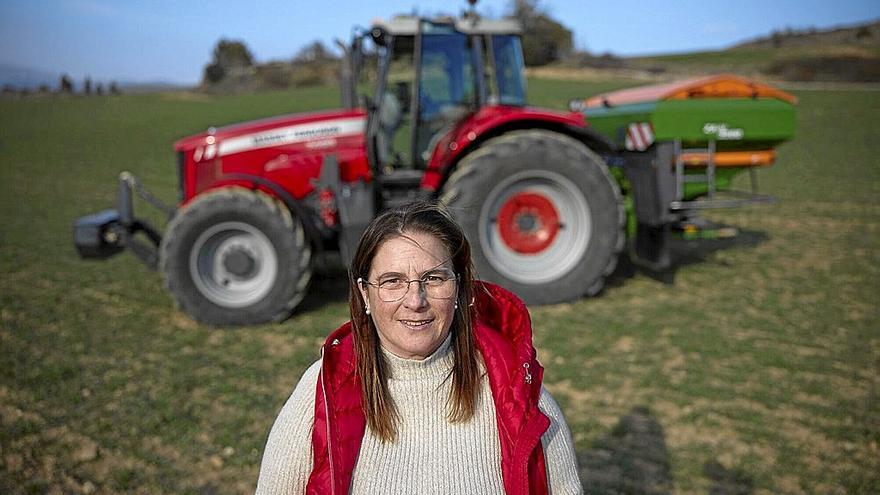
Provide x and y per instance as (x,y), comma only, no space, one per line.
(26,77)
(839,54)
(865,35)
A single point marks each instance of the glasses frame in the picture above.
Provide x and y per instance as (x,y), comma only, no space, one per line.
(421,282)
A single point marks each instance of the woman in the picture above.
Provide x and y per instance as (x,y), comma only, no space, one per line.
(432,387)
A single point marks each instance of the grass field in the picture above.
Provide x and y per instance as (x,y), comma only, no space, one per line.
(754,363)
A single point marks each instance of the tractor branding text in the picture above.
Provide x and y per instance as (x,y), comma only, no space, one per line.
(292,134)
(721,131)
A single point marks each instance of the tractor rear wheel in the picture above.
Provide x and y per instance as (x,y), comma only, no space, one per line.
(236,257)
(543,215)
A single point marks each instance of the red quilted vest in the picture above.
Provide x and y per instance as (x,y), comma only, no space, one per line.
(503,335)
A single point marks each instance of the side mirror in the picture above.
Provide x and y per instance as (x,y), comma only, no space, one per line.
(380,37)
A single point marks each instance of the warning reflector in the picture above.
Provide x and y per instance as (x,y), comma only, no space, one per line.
(639,136)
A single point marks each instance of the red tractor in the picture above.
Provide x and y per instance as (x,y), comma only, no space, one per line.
(445,118)
(433,109)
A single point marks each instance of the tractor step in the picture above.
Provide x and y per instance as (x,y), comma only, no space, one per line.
(400,187)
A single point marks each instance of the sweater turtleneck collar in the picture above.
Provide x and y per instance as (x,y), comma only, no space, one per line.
(437,364)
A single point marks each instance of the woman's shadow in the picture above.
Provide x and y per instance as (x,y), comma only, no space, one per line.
(633,459)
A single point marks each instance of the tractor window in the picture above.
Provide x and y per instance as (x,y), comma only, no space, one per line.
(395,122)
(368,71)
(447,77)
(447,86)
(509,73)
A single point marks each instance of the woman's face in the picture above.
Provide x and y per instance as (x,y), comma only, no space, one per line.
(416,325)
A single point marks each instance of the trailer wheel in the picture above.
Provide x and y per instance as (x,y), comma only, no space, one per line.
(236,257)
(543,215)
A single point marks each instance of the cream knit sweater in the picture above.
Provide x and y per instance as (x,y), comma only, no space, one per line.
(430,456)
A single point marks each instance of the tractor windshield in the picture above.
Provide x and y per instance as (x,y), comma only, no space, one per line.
(509,73)
(447,83)
(447,76)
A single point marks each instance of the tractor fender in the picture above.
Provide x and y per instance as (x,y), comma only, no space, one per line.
(275,190)
(493,121)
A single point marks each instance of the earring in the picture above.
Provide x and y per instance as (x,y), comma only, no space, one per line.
(367,309)
(456,305)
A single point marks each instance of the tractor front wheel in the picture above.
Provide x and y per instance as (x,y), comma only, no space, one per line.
(542,213)
(236,257)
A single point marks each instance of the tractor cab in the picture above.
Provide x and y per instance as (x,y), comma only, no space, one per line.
(419,78)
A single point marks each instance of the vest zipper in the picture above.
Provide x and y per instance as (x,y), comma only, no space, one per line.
(327,422)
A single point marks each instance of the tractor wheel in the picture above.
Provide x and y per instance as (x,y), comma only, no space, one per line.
(543,215)
(236,257)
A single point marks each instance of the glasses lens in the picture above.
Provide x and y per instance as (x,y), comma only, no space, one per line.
(440,288)
(436,287)
(391,294)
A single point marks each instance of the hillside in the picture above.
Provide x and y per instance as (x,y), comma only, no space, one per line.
(26,77)
(843,54)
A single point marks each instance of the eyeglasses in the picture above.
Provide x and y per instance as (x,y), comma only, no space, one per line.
(435,285)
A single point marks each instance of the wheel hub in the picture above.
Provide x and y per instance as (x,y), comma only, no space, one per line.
(528,222)
(233,264)
(239,262)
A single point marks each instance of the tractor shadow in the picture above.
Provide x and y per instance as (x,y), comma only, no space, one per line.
(329,284)
(633,459)
(330,277)
(684,252)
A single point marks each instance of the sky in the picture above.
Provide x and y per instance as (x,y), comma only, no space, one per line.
(172,41)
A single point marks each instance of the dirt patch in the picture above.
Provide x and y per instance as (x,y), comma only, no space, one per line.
(555,309)
(181,321)
(624,345)
(573,394)
(57,459)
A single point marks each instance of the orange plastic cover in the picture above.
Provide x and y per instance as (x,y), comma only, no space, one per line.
(716,86)
(759,158)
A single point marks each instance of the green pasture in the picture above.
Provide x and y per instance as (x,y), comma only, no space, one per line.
(756,359)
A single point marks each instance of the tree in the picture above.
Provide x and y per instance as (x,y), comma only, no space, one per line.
(229,57)
(776,38)
(313,52)
(544,39)
(66,85)
(87,85)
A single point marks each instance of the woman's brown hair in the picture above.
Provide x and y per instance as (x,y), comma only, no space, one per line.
(379,408)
